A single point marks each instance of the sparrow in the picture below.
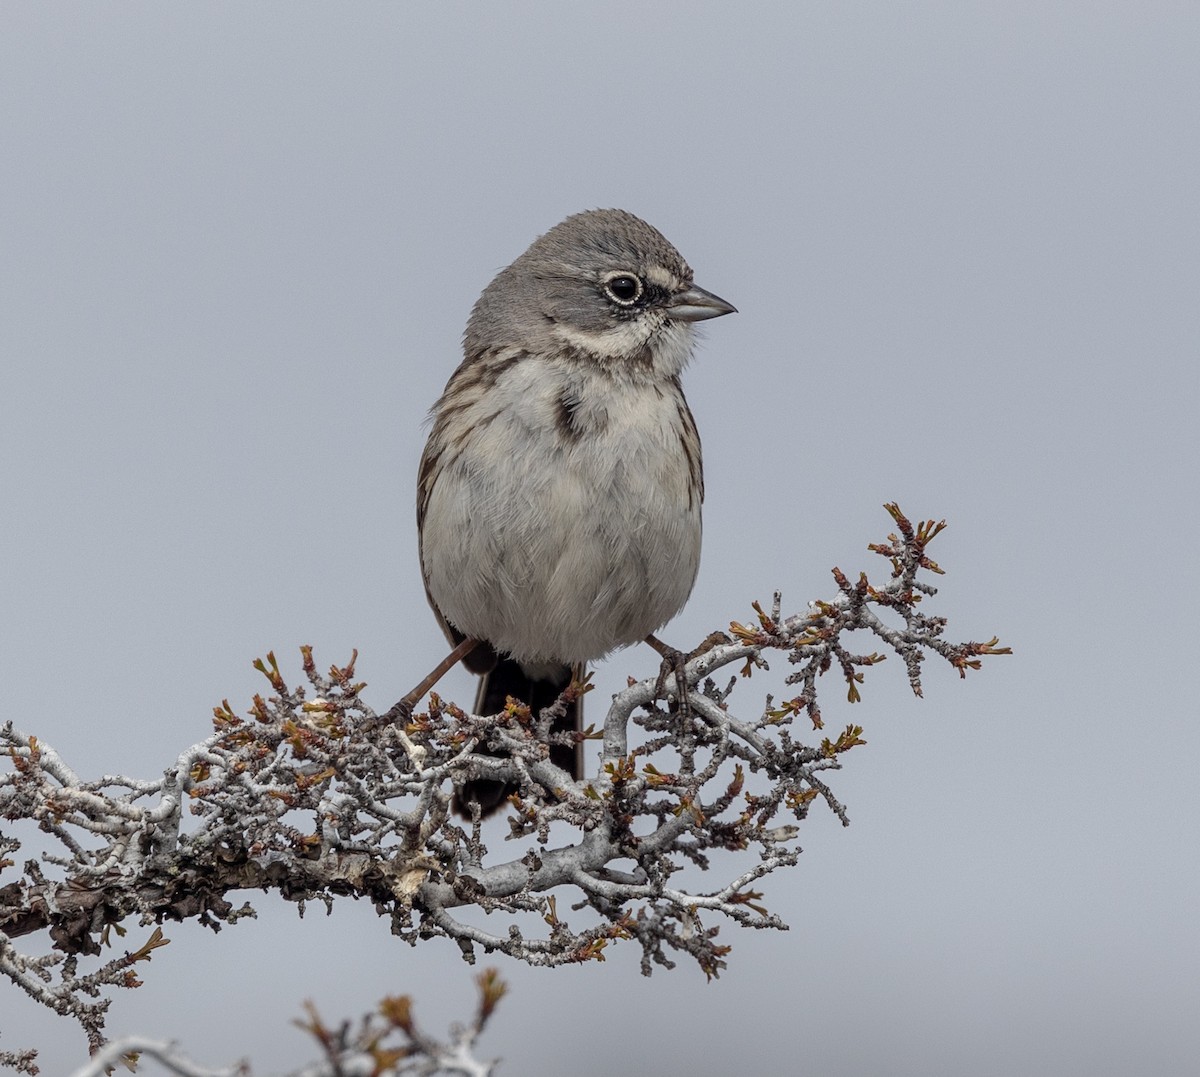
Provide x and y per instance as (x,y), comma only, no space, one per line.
(559,494)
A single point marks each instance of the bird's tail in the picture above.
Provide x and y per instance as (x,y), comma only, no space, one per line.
(509,679)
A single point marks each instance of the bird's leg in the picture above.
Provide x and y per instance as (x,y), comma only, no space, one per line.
(581,683)
(673,662)
(403,709)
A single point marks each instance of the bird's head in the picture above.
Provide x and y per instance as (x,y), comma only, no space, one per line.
(603,285)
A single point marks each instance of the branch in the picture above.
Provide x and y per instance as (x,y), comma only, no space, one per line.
(385,1044)
(312,794)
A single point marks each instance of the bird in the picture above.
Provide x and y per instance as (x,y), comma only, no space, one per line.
(559,493)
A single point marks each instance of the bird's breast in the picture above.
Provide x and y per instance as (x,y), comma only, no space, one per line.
(568,522)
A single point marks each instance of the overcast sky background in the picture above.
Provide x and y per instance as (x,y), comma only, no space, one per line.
(238,245)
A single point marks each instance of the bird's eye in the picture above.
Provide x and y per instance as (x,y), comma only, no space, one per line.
(623,288)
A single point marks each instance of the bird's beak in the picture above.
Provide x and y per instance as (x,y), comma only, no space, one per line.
(697,305)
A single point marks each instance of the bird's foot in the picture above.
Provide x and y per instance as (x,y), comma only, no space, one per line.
(674,663)
(399,713)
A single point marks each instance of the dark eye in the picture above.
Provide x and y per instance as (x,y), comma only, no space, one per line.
(623,288)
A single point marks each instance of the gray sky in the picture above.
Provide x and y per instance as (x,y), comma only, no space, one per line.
(240,242)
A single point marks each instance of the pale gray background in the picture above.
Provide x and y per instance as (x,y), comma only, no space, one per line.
(239,244)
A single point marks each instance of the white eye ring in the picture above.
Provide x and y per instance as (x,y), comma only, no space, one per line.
(623,288)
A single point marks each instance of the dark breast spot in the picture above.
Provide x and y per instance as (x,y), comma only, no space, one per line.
(566,419)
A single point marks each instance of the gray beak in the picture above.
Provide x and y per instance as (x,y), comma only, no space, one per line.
(697,305)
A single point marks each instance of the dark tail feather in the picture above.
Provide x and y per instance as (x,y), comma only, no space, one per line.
(509,679)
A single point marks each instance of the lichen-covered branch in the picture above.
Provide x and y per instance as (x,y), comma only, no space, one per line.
(311,794)
(387,1043)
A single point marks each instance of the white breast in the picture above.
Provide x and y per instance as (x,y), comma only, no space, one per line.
(563,543)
